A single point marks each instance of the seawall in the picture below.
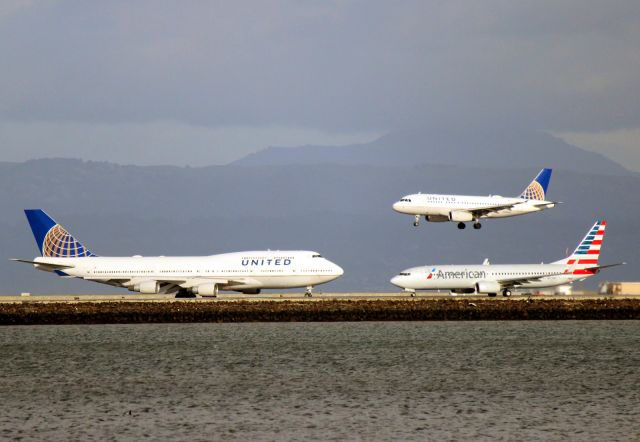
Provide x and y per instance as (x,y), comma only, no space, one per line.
(35,313)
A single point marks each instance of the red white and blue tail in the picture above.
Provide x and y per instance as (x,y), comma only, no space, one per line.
(584,259)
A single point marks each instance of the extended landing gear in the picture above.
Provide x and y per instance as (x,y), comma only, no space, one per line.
(183,293)
(477,225)
(412,294)
(506,293)
(309,292)
(462,226)
(416,223)
(492,295)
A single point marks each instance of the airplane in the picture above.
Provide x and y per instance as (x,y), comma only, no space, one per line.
(186,276)
(461,208)
(491,279)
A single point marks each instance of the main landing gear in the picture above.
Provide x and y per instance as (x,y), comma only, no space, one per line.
(309,292)
(416,223)
(184,293)
(476,225)
(506,293)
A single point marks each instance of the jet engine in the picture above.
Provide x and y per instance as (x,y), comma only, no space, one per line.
(487,287)
(460,216)
(437,218)
(147,287)
(208,289)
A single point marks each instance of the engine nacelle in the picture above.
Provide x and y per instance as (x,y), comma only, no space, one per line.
(147,287)
(437,218)
(460,216)
(487,287)
(208,289)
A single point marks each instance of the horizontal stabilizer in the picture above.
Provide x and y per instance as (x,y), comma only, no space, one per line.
(551,203)
(597,268)
(44,264)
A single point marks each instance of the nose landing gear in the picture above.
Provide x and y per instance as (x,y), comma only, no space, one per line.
(416,223)
(309,292)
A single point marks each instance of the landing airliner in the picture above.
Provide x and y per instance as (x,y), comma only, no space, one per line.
(188,276)
(461,208)
(492,279)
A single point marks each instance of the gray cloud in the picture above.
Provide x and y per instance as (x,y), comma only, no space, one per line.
(334,67)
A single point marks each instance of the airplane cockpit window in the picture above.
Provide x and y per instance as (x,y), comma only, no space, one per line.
(405,200)
(405,274)
(316,256)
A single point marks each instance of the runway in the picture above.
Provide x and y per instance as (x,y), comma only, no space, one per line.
(266,297)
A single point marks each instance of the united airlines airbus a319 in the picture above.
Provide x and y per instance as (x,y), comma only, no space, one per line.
(493,279)
(461,208)
(186,276)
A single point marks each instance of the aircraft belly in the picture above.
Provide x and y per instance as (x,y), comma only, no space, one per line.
(424,210)
(281,282)
(447,284)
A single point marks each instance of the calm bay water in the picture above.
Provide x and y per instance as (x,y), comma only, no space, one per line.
(322,381)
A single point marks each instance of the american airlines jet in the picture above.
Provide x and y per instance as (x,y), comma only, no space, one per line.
(492,279)
(188,276)
(461,208)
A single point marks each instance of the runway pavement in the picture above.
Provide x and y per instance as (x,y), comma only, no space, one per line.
(68,298)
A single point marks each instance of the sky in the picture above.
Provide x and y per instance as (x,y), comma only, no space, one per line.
(198,83)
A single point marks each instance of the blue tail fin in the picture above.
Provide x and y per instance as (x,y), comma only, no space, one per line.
(52,239)
(537,190)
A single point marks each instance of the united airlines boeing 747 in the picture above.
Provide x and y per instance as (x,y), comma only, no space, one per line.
(461,208)
(492,279)
(188,276)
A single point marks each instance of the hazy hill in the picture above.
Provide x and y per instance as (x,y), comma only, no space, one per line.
(463,147)
(342,211)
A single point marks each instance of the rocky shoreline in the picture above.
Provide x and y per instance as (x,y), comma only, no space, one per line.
(33,313)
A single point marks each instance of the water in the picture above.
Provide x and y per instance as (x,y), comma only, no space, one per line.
(322,381)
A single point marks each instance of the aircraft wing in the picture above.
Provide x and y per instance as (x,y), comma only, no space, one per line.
(49,266)
(482,211)
(192,282)
(513,282)
(168,284)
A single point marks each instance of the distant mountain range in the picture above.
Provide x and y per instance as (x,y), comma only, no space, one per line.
(343,211)
(465,147)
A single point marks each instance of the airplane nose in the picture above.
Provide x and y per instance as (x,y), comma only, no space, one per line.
(339,271)
(396,206)
(395,281)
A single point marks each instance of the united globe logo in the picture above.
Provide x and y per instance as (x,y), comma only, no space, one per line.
(58,243)
(534,192)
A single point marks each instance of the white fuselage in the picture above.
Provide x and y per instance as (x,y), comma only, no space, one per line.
(241,271)
(438,208)
(467,277)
